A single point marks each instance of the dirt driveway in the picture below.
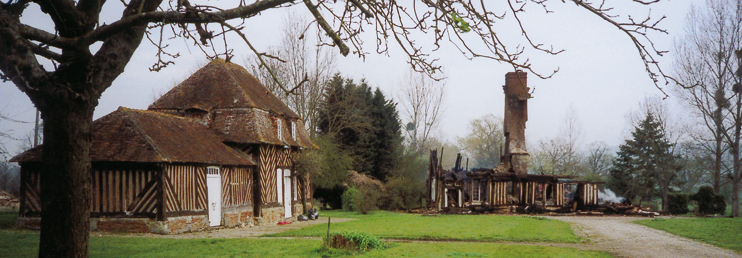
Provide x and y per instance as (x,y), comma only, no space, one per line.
(620,237)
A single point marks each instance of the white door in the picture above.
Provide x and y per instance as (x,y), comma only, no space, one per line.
(214,187)
(287,193)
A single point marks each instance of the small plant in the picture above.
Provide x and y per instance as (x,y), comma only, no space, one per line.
(350,240)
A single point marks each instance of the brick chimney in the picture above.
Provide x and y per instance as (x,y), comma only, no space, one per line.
(514,126)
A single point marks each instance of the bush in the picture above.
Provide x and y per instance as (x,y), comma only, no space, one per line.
(349,240)
(678,203)
(708,202)
(402,193)
(406,185)
(367,199)
(349,199)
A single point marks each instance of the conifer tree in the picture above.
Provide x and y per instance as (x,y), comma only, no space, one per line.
(645,166)
(364,124)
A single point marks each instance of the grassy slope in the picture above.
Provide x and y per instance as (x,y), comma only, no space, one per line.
(455,227)
(722,232)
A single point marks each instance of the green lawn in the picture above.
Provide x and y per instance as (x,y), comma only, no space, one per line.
(14,243)
(722,232)
(7,219)
(24,243)
(446,227)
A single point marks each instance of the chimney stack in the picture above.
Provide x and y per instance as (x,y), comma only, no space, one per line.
(514,126)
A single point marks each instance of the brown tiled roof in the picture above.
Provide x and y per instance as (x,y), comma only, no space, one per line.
(145,136)
(242,110)
(257,126)
(222,84)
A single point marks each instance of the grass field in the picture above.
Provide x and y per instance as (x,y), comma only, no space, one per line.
(446,227)
(24,243)
(722,232)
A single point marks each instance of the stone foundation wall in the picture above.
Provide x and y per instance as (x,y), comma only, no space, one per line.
(28,223)
(238,217)
(127,225)
(173,225)
(272,215)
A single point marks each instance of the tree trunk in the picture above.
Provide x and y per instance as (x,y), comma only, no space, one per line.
(735,196)
(65,180)
(664,199)
(736,173)
(718,155)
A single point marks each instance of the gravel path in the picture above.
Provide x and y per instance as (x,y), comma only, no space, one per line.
(622,238)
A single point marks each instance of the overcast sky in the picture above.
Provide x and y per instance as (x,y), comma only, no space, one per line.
(601,76)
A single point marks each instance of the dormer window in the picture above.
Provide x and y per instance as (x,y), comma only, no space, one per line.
(278,128)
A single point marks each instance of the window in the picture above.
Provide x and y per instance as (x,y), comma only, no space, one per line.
(279,190)
(278,128)
(296,193)
(476,190)
(212,170)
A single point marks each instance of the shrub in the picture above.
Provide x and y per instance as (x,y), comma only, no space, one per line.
(708,202)
(349,240)
(349,199)
(367,199)
(678,203)
(402,193)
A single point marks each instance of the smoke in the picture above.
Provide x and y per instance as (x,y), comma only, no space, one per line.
(609,196)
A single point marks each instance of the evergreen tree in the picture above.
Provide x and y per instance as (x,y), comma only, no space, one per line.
(388,136)
(645,165)
(362,123)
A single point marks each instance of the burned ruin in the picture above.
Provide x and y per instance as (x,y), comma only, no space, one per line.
(508,187)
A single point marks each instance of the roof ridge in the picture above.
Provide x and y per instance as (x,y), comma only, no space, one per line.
(162,114)
(128,113)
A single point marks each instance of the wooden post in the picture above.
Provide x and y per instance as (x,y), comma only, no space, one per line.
(24,182)
(161,193)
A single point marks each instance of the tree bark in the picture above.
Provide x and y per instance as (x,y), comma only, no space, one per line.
(718,151)
(736,173)
(65,181)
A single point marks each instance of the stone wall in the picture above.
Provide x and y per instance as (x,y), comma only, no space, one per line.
(173,225)
(178,225)
(238,216)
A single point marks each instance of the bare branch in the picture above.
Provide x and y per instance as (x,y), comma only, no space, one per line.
(326,27)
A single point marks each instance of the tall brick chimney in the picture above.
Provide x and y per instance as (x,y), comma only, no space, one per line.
(516,114)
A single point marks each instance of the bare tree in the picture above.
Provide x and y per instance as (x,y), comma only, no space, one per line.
(484,141)
(703,68)
(598,161)
(64,74)
(561,155)
(422,99)
(697,163)
(304,65)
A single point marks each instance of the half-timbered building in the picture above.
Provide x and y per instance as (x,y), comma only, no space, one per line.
(247,116)
(216,150)
(151,172)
